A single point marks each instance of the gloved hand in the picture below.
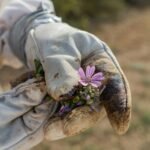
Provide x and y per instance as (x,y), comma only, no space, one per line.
(62,49)
(23,114)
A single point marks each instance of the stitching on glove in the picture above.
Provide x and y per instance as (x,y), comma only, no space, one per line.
(37,50)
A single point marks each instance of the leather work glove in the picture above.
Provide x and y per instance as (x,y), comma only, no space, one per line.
(24,112)
(62,49)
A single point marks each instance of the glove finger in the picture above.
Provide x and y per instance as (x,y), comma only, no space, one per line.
(116,97)
(39,115)
(74,123)
(61,75)
(20,100)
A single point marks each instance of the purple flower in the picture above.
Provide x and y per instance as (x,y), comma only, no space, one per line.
(79,103)
(89,78)
(64,109)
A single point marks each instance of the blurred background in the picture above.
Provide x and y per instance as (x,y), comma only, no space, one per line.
(125,26)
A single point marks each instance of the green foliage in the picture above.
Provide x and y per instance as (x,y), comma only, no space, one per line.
(38,68)
(81,13)
(139,3)
(85,13)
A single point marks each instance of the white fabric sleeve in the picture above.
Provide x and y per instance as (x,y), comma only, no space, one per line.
(17,8)
(10,12)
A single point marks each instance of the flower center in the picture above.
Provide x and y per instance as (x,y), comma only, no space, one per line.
(88,79)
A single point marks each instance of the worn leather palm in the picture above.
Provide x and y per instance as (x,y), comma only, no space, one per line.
(62,49)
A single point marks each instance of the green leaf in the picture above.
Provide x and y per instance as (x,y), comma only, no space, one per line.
(38,68)
(89,102)
(76,99)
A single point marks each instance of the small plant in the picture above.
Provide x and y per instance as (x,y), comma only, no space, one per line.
(86,93)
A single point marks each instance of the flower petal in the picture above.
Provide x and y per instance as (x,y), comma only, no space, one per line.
(98,77)
(84,83)
(96,83)
(62,108)
(81,73)
(79,103)
(67,109)
(90,71)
